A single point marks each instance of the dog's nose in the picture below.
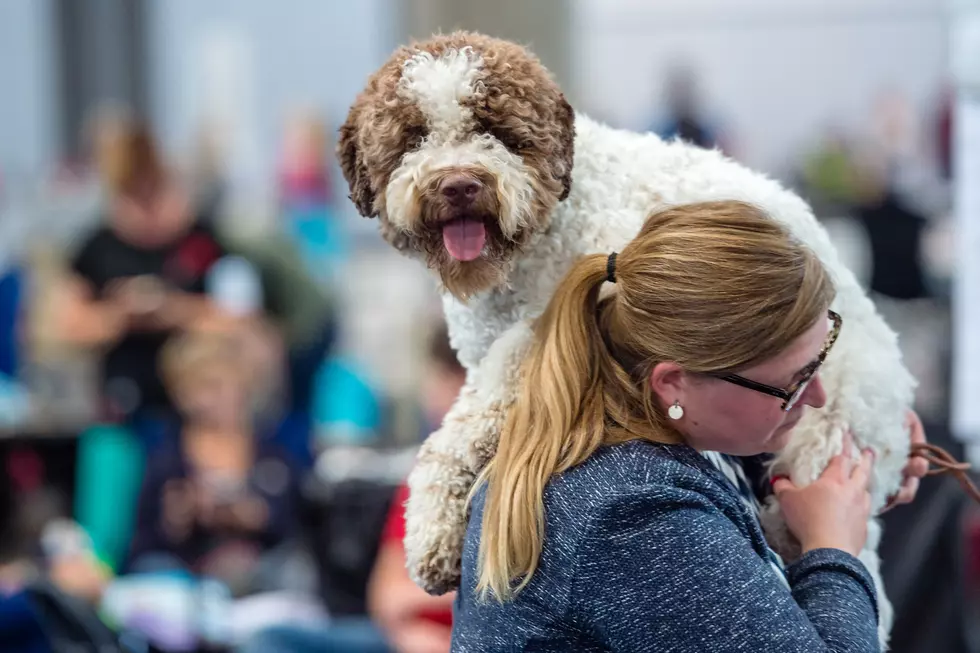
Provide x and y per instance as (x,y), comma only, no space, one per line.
(460,191)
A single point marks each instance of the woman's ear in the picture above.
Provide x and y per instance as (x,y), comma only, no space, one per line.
(669,382)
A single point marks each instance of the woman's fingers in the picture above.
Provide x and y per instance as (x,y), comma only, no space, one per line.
(840,465)
(908,491)
(861,475)
(782,484)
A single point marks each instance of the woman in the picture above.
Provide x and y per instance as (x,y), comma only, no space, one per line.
(221,499)
(598,526)
(134,281)
(137,278)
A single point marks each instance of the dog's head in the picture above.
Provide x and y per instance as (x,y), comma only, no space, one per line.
(462,146)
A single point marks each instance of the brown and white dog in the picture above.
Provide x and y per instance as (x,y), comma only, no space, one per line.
(467,152)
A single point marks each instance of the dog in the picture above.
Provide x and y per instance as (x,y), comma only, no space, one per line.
(465,149)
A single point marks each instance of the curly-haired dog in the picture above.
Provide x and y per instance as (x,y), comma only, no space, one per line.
(468,153)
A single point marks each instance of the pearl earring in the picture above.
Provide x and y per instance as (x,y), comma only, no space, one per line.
(675,411)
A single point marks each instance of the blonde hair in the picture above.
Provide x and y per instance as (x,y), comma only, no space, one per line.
(129,160)
(715,287)
(187,354)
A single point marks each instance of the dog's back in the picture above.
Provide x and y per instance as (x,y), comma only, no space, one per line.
(619,179)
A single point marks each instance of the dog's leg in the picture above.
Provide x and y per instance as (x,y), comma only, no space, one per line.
(450,460)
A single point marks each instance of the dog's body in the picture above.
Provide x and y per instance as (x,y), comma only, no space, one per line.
(618,179)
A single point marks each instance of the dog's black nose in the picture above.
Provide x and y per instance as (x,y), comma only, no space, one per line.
(460,191)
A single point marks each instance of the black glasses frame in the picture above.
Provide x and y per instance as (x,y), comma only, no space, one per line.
(792,395)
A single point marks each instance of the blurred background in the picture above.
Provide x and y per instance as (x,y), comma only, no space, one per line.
(142,139)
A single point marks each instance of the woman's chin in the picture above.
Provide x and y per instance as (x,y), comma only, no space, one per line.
(780,438)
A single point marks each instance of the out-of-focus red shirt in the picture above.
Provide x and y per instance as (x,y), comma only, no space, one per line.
(394,535)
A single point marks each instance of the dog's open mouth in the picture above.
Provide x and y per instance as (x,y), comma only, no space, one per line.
(464,238)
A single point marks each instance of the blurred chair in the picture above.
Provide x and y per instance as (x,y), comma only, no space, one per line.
(343,522)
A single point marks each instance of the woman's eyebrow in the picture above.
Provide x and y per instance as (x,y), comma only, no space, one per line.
(806,368)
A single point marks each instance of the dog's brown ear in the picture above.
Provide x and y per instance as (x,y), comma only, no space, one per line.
(355,172)
(566,117)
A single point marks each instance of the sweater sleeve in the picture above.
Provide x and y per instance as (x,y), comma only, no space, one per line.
(666,569)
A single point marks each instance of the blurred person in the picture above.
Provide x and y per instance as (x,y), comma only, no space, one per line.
(306,197)
(904,152)
(294,260)
(895,231)
(302,311)
(684,117)
(208,168)
(830,170)
(304,177)
(133,281)
(227,494)
(138,277)
(402,618)
(220,492)
(943,133)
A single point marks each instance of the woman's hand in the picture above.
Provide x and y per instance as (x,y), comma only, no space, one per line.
(832,512)
(80,575)
(140,300)
(915,469)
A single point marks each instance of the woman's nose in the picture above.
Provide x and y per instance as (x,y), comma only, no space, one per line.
(815,395)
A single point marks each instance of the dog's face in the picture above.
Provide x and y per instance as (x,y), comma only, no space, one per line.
(461,146)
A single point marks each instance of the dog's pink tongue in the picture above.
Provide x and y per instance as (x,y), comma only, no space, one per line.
(464,239)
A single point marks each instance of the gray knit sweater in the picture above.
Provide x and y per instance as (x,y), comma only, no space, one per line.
(649,548)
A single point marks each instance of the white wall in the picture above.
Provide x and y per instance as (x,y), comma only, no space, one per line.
(774,71)
(28,128)
(966,298)
(253,60)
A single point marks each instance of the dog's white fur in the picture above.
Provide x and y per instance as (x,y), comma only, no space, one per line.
(619,179)
(480,150)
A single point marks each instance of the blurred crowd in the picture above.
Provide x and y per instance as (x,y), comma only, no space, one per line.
(189,453)
(205,498)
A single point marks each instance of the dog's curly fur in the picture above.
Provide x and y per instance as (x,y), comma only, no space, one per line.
(512,101)
(555,186)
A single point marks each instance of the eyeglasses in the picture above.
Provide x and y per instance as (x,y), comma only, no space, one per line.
(792,395)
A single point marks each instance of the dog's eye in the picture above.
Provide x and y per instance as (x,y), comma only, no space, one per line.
(510,141)
(414,137)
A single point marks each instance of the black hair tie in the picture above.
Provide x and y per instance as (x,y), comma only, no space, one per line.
(611,268)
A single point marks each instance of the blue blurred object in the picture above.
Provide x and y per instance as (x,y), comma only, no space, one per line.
(345,635)
(321,238)
(108,473)
(346,408)
(11,284)
(15,402)
(20,628)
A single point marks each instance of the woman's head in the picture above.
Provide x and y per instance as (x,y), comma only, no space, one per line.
(147,205)
(709,298)
(129,161)
(212,381)
(707,291)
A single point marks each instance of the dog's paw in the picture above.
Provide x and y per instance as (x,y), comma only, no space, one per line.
(436,518)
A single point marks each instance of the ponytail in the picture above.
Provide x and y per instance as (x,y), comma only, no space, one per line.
(562,414)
